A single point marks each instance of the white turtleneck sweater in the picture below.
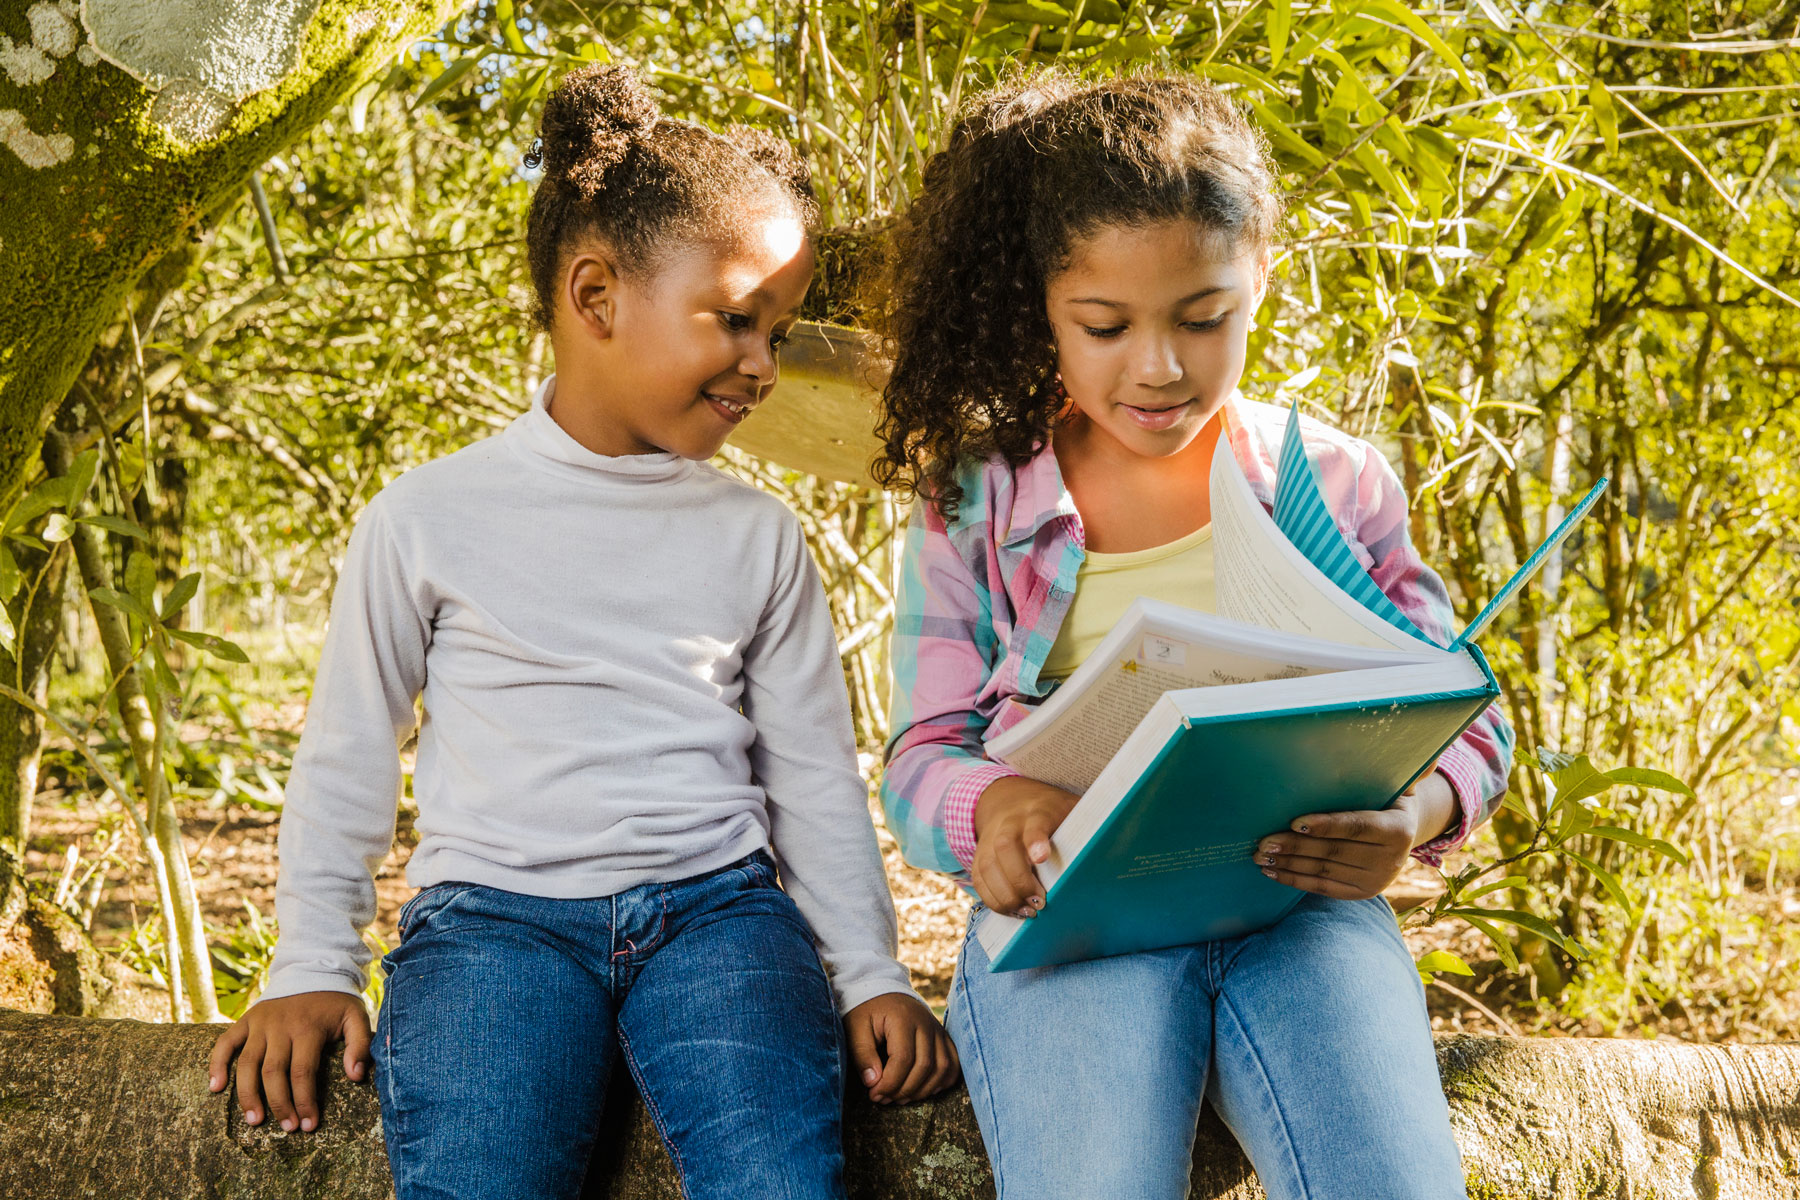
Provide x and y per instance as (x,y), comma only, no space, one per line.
(629,676)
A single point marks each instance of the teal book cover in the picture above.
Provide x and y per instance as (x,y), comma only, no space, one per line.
(1171,864)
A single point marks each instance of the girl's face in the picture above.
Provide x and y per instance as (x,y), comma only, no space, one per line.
(1150,324)
(683,351)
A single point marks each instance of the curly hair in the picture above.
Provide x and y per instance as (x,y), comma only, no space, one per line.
(616,169)
(1031,168)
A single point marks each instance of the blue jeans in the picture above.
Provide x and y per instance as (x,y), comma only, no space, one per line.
(1310,1038)
(504,1013)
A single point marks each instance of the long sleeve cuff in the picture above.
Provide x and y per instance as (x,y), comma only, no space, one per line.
(959,807)
(1464,776)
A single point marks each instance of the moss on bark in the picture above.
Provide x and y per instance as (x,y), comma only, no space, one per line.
(76,236)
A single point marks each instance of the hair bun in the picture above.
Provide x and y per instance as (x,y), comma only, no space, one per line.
(590,121)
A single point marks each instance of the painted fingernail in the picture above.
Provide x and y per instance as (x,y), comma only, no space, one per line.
(1036,902)
(1268,860)
(1304,828)
(1268,872)
(1027,912)
(870,1076)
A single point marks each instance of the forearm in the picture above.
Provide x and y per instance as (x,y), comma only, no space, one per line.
(1435,804)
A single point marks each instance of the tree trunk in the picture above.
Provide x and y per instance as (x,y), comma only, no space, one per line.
(117,1108)
(103,172)
(37,615)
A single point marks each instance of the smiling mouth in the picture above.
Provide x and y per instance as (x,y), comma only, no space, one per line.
(734,410)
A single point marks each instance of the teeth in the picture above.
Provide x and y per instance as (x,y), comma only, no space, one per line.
(739,409)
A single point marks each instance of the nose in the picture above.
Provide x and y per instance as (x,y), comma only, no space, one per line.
(1156,364)
(759,365)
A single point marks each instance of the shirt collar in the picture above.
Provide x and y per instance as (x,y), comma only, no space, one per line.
(1040,496)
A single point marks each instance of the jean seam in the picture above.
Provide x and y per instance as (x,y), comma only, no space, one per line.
(1229,1008)
(656,1117)
(389,1078)
(987,1086)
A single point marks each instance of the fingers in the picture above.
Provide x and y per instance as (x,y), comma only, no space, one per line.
(224,1050)
(278,1059)
(865,1050)
(357,1039)
(1375,826)
(249,1080)
(925,1065)
(1320,885)
(303,1079)
(901,1054)
(1036,837)
(1018,880)
(995,886)
(949,1066)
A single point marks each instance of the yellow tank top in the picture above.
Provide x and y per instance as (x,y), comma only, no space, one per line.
(1180,572)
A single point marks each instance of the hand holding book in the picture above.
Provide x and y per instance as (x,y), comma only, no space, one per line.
(1013,822)
(1355,855)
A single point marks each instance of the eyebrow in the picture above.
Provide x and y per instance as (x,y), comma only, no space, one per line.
(1188,299)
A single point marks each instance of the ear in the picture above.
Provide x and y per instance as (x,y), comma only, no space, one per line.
(591,293)
(1263,262)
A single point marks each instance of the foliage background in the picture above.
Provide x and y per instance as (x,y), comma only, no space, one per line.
(1528,247)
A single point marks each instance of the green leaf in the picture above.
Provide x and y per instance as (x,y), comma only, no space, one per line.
(218,647)
(1607,879)
(449,77)
(1512,803)
(8,635)
(1280,21)
(1443,960)
(1577,781)
(11,579)
(1531,924)
(58,528)
(52,493)
(1573,205)
(81,477)
(1486,889)
(1646,777)
(124,603)
(1336,122)
(1393,10)
(1285,138)
(180,594)
(1502,944)
(509,27)
(1631,837)
(1605,115)
(118,525)
(1552,761)
(140,578)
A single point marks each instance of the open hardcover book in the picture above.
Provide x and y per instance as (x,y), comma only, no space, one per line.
(1190,736)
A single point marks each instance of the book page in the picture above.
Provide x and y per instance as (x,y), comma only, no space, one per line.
(1262,580)
(1072,750)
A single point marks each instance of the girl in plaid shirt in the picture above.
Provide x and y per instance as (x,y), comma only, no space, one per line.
(1068,308)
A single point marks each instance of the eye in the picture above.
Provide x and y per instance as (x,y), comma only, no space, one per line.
(778,340)
(1212,323)
(737,322)
(1111,331)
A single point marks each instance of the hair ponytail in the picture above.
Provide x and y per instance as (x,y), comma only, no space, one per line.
(615,168)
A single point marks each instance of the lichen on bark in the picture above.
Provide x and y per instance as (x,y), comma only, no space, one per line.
(76,235)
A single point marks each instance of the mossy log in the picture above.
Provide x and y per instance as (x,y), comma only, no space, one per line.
(122,124)
(120,1109)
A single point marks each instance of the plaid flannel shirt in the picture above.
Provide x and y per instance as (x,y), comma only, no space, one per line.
(981,600)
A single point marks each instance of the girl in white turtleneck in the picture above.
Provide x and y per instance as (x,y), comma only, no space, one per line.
(635,717)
